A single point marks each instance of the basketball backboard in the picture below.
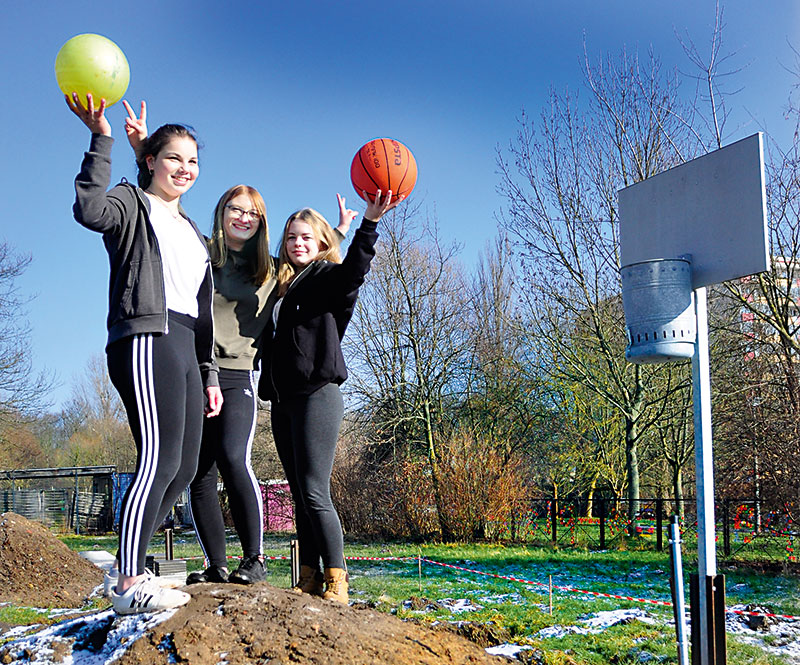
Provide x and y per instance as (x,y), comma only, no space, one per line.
(712,208)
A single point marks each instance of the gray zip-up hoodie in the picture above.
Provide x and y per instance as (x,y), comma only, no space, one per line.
(136,300)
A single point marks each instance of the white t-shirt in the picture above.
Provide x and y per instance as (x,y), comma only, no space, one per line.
(183,258)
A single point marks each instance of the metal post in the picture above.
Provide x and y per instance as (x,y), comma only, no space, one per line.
(726,528)
(704,470)
(77,507)
(602,524)
(676,583)
(294,558)
(168,542)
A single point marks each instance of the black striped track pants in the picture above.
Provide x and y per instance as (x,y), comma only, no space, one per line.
(158,379)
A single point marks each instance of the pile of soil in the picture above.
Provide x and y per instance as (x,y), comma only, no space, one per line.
(263,624)
(38,570)
(222,622)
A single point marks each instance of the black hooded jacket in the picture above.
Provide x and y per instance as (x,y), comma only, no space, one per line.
(304,352)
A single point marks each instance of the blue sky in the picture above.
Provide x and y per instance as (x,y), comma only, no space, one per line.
(282,94)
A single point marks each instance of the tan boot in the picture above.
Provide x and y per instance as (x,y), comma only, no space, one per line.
(336,585)
(310,581)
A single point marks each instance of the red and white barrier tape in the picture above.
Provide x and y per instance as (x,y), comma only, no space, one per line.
(510,578)
(662,603)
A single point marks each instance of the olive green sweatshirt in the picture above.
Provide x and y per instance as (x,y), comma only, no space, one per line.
(240,314)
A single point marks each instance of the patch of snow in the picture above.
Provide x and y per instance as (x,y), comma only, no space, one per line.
(507,650)
(17,631)
(98,638)
(784,634)
(514,598)
(603,620)
(457,605)
(597,623)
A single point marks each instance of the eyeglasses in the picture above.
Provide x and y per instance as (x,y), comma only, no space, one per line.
(237,212)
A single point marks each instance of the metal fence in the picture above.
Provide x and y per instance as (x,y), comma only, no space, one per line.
(75,499)
(81,512)
(744,528)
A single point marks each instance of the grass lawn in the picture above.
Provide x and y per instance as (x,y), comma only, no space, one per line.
(428,593)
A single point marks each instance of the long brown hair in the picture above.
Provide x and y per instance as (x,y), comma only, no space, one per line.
(260,262)
(324,235)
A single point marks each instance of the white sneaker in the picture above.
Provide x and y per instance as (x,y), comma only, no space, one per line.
(112,576)
(147,596)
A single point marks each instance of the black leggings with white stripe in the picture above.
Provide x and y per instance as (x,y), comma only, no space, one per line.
(158,379)
(227,444)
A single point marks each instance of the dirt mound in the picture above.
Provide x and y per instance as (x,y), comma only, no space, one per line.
(38,570)
(221,623)
(262,624)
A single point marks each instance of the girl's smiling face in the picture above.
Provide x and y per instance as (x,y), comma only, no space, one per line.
(240,222)
(174,168)
(302,246)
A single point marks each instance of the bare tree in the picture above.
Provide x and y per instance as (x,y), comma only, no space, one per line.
(760,321)
(408,339)
(505,403)
(23,393)
(560,178)
(95,426)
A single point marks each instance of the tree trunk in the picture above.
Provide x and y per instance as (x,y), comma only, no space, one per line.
(632,456)
(757,484)
(590,497)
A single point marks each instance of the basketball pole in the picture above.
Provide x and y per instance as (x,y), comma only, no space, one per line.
(704,467)
(658,221)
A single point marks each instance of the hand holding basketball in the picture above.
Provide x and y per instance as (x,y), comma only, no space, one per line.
(383,164)
(378,207)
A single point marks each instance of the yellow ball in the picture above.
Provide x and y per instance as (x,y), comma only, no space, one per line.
(92,63)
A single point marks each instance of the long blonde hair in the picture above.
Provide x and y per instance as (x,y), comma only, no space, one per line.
(323,234)
(259,260)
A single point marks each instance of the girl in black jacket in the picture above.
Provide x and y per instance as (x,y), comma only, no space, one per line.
(302,368)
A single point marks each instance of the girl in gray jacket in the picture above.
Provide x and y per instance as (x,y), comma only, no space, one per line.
(160,337)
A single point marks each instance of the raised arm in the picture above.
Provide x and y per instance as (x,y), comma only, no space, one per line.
(94,208)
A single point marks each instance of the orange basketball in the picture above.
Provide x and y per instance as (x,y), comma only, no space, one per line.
(384,164)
